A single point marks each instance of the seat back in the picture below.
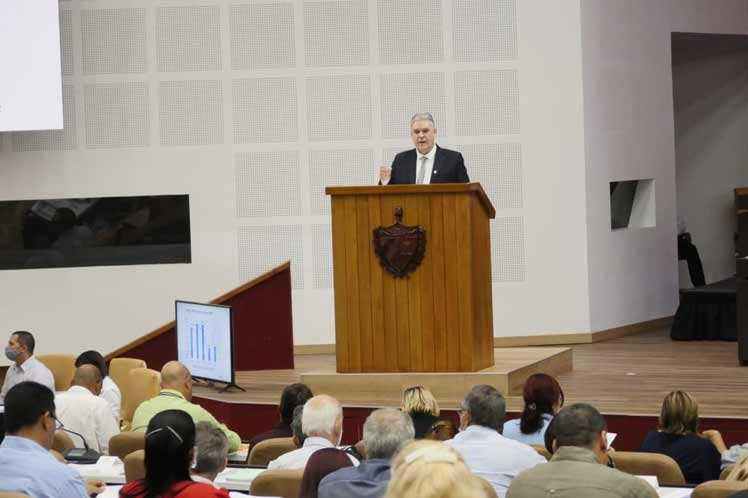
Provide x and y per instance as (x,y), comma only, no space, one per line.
(11,494)
(135,466)
(718,489)
(125,443)
(62,367)
(649,464)
(270,449)
(142,384)
(62,442)
(284,483)
(542,450)
(119,371)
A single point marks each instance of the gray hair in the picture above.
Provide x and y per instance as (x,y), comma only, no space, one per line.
(296,424)
(578,425)
(211,448)
(321,416)
(385,431)
(422,116)
(486,407)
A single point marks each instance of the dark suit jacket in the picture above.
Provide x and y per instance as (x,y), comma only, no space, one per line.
(449,167)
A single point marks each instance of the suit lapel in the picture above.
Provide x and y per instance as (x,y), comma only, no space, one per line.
(438,158)
(410,161)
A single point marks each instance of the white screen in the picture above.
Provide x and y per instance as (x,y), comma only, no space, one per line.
(204,340)
(30,75)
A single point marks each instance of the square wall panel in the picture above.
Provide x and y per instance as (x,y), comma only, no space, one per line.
(116,115)
(410,31)
(189,38)
(51,140)
(191,112)
(262,36)
(487,102)
(262,248)
(484,30)
(336,33)
(267,184)
(66,42)
(404,94)
(508,249)
(330,168)
(498,168)
(114,41)
(264,110)
(339,107)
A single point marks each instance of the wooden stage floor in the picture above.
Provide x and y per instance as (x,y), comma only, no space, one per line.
(627,376)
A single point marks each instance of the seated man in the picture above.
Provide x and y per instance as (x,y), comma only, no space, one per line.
(26,465)
(322,422)
(80,409)
(578,468)
(211,455)
(20,350)
(385,431)
(486,452)
(109,389)
(293,395)
(176,393)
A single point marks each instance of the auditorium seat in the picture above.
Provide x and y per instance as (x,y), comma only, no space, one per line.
(542,450)
(135,466)
(62,367)
(649,464)
(285,483)
(62,442)
(119,368)
(141,384)
(270,449)
(125,443)
(11,494)
(718,489)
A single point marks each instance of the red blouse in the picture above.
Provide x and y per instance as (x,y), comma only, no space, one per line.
(183,489)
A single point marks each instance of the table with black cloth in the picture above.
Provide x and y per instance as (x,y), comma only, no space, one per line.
(707,313)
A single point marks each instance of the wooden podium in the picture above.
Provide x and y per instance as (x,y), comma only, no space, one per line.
(439,317)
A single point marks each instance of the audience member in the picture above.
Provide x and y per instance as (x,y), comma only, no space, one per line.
(169,451)
(211,453)
(485,451)
(543,398)
(20,350)
(697,454)
(26,465)
(321,464)
(292,396)
(421,405)
(431,469)
(80,409)
(385,431)
(176,393)
(298,435)
(109,390)
(322,423)
(577,468)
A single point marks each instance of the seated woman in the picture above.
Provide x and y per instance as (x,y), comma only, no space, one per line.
(169,451)
(543,398)
(109,390)
(678,436)
(420,404)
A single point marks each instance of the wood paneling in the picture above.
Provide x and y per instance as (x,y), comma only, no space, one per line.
(429,320)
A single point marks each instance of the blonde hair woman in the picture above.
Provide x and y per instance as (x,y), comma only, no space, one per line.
(697,453)
(421,405)
(431,469)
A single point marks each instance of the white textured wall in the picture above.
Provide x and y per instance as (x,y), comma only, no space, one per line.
(710,83)
(629,134)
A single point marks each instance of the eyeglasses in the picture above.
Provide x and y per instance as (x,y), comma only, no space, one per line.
(58,425)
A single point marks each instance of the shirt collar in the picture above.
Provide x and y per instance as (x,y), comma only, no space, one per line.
(479,429)
(430,154)
(22,443)
(171,392)
(317,441)
(575,454)
(80,389)
(23,367)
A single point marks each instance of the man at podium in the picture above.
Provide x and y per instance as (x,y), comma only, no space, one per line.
(427,163)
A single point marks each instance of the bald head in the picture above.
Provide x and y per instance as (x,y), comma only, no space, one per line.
(175,375)
(88,376)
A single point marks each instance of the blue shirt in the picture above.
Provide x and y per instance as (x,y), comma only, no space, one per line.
(26,467)
(368,480)
(512,431)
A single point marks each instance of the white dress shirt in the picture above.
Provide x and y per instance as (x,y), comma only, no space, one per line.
(31,369)
(110,392)
(82,411)
(298,458)
(428,164)
(493,457)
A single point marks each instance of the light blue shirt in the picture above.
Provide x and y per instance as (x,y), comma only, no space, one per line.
(26,467)
(512,431)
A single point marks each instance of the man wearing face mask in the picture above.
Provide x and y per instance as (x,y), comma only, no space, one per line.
(26,465)
(20,350)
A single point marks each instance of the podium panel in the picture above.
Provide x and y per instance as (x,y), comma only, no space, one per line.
(437,318)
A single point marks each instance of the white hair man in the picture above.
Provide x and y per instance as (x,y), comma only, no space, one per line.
(322,423)
(385,431)
(427,163)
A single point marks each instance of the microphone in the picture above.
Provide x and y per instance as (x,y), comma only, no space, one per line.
(80,455)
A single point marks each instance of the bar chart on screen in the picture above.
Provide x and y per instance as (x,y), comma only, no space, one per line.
(204,340)
(202,349)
